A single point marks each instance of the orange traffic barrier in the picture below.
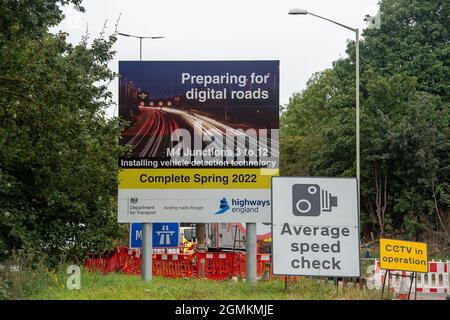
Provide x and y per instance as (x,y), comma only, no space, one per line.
(218,265)
(173,265)
(94,264)
(263,261)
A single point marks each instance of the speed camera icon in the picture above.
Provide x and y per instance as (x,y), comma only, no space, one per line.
(310,200)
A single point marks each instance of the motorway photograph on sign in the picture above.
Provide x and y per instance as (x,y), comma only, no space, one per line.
(201,112)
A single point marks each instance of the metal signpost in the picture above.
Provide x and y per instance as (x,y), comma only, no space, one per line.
(147,251)
(250,249)
(315,227)
(298,11)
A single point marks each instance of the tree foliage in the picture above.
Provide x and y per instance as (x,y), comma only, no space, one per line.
(58,155)
(405,74)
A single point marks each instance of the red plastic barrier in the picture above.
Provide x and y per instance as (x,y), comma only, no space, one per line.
(222,265)
(218,265)
(95,263)
(114,263)
(173,265)
(131,261)
(263,261)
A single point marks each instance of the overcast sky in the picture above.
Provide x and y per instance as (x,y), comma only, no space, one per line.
(227,30)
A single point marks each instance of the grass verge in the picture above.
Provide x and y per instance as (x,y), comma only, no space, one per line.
(124,287)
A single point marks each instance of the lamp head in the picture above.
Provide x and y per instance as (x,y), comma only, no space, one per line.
(298,11)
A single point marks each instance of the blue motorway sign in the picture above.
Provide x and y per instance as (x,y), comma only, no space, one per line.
(165,235)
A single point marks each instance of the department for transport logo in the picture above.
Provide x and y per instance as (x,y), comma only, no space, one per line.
(224,207)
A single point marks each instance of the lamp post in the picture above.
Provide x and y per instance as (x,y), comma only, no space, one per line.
(147,245)
(140,40)
(356,31)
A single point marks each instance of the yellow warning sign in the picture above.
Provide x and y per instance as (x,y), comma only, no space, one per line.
(403,255)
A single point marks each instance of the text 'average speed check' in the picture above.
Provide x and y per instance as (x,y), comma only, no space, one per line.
(315,226)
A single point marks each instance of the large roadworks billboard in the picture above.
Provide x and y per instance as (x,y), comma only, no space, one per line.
(203,137)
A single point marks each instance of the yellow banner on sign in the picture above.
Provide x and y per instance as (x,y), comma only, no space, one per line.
(403,255)
(196,178)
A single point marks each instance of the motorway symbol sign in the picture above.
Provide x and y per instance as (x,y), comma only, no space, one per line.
(165,235)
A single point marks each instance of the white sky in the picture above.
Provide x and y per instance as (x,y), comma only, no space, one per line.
(227,30)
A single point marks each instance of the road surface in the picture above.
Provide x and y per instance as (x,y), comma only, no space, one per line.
(150,135)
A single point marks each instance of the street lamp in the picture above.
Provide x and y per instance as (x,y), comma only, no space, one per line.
(356,30)
(140,40)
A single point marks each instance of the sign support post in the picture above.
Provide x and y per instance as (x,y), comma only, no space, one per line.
(250,241)
(415,286)
(147,250)
(387,275)
(412,277)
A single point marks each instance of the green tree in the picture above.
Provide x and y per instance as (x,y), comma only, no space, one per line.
(413,41)
(58,160)
(404,120)
(403,131)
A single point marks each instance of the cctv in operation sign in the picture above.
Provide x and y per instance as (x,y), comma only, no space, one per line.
(403,255)
(203,137)
(315,226)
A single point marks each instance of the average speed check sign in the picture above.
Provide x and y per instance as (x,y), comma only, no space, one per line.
(315,226)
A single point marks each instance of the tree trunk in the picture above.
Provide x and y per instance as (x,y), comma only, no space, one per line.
(448,219)
(438,213)
(380,196)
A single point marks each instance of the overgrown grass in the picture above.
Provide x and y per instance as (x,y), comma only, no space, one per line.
(126,287)
(35,281)
(21,276)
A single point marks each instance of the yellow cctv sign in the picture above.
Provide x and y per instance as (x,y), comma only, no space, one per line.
(403,255)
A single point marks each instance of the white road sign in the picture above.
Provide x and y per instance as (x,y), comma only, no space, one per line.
(315,226)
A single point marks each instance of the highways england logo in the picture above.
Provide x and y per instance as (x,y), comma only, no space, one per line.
(242,205)
(224,207)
